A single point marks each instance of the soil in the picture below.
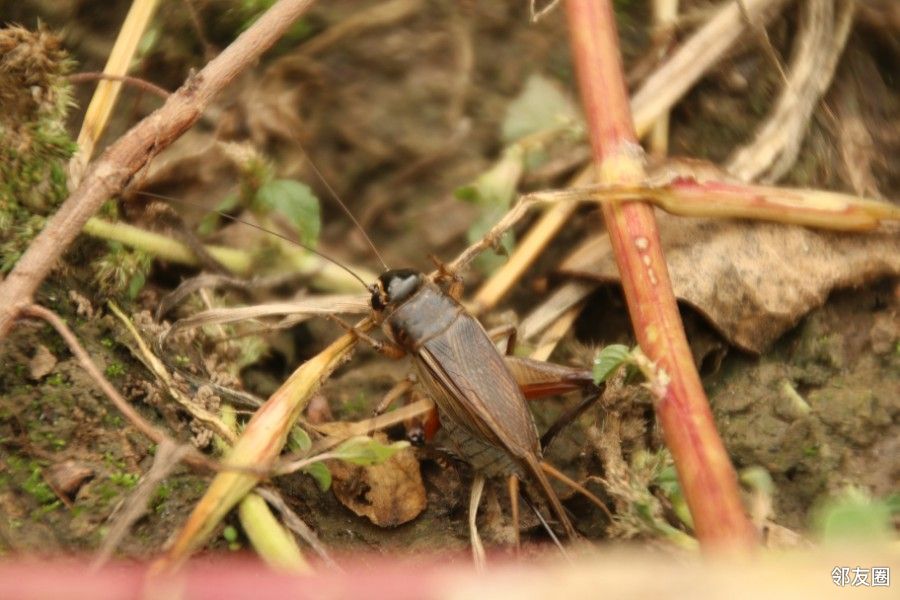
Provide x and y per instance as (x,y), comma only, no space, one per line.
(397,118)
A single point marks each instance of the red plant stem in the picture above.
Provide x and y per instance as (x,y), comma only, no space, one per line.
(707,478)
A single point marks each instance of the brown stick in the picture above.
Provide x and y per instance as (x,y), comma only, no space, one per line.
(191,456)
(143,84)
(705,472)
(115,168)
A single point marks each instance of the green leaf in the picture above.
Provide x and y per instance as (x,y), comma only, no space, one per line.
(210,222)
(136,284)
(610,359)
(758,479)
(300,441)
(467,193)
(487,262)
(541,106)
(365,451)
(319,471)
(854,516)
(294,201)
(493,192)
(496,187)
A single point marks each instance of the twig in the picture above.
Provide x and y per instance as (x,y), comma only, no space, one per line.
(704,469)
(665,12)
(115,168)
(158,368)
(167,457)
(762,37)
(695,57)
(192,457)
(147,86)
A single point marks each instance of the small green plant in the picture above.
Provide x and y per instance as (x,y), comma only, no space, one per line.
(162,493)
(230,534)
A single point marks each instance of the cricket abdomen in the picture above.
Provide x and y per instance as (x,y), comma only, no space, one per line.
(485,458)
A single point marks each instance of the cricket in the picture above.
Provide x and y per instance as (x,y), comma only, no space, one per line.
(479,393)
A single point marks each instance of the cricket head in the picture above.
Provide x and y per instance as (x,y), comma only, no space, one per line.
(393,287)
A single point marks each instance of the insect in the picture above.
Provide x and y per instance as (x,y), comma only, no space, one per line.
(478,392)
(482,407)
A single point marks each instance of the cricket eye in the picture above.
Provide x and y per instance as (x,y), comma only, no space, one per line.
(377,301)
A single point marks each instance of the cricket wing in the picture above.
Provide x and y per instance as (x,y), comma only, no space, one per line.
(470,382)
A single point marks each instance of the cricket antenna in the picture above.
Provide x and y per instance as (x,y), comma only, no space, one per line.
(225,215)
(343,206)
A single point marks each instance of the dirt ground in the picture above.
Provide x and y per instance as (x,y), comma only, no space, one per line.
(397,117)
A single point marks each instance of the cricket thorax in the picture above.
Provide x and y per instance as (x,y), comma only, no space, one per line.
(423,312)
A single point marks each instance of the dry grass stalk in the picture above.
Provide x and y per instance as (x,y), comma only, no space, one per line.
(107,92)
(819,45)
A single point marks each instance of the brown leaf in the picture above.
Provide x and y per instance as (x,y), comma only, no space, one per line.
(753,281)
(67,477)
(41,363)
(389,494)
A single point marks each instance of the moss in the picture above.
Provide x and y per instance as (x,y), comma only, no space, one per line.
(124,480)
(122,272)
(115,369)
(162,493)
(34,144)
(56,379)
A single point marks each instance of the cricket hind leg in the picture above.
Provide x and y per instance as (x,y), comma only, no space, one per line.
(510,332)
(516,492)
(478,554)
(513,489)
(569,416)
(540,517)
(538,379)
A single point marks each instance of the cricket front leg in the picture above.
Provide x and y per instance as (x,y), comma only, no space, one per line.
(389,349)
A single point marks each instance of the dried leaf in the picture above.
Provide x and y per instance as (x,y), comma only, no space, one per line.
(753,281)
(389,494)
(41,363)
(67,477)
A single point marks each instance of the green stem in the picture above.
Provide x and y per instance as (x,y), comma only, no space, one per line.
(271,541)
(323,274)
